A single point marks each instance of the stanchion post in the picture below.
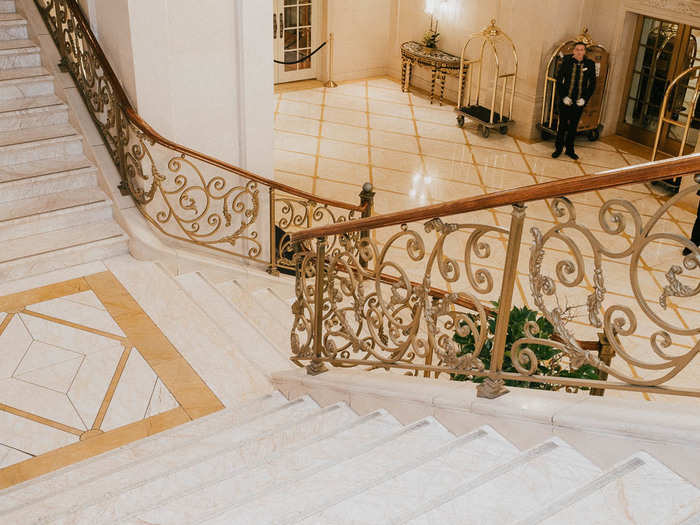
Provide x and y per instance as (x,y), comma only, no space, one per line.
(331,52)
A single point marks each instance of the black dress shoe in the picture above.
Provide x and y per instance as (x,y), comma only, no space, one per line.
(556,153)
(571,154)
(686,251)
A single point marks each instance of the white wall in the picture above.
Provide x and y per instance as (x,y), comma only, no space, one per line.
(362,36)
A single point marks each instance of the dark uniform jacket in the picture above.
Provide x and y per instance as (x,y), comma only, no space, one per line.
(576,79)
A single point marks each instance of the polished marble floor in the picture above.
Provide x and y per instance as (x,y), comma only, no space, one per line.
(83,370)
(329,141)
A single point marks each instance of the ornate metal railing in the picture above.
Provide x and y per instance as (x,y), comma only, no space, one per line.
(185,194)
(370,302)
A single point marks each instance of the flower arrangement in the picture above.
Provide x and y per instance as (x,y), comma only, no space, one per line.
(431,38)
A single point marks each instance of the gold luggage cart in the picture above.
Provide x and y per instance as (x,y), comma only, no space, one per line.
(590,119)
(469,96)
(680,109)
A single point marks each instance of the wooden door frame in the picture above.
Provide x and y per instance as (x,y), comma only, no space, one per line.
(317,22)
(636,133)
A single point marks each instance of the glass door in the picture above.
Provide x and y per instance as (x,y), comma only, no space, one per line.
(662,50)
(294,39)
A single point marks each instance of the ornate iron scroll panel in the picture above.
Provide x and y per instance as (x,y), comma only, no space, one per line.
(369,320)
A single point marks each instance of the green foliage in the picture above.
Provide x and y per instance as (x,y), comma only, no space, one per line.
(549,358)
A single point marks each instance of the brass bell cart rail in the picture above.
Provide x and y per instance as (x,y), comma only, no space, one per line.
(469,104)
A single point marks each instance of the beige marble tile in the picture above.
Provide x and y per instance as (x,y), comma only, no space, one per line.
(300,109)
(348,172)
(10,456)
(30,436)
(390,109)
(499,159)
(296,143)
(345,133)
(80,314)
(345,116)
(294,124)
(386,123)
(384,158)
(344,151)
(345,102)
(458,152)
(295,162)
(394,141)
(42,355)
(431,130)
(14,343)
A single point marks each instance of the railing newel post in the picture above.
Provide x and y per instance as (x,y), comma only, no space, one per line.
(272,268)
(606,352)
(367,202)
(317,366)
(494,386)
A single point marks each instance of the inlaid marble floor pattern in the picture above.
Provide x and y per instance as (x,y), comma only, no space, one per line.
(69,372)
(329,141)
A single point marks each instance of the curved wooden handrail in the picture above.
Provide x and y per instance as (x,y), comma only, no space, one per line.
(648,172)
(139,122)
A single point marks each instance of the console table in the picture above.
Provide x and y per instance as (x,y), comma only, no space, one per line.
(440,62)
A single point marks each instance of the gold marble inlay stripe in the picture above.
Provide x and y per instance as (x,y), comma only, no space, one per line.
(190,391)
(44,421)
(102,412)
(5,322)
(96,445)
(75,325)
(19,301)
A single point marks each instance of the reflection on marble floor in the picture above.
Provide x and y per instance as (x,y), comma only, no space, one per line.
(330,141)
(73,370)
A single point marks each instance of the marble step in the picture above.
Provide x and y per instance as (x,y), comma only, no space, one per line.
(27,145)
(33,117)
(275,306)
(250,341)
(19,53)
(429,476)
(269,428)
(39,168)
(217,466)
(24,87)
(300,497)
(639,491)
(65,200)
(506,493)
(84,473)
(282,287)
(13,27)
(7,6)
(63,248)
(74,180)
(56,220)
(212,498)
(255,313)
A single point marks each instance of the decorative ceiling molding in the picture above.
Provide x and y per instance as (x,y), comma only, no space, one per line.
(682,7)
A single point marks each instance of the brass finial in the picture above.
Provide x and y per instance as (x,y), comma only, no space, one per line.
(492,29)
(585,37)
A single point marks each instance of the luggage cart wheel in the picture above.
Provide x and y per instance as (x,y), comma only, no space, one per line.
(484,131)
(460,121)
(593,135)
(503,130)
(544,134)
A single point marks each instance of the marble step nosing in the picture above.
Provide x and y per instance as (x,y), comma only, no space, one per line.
(76,245)
(309,442)
(56,220)
(367,448)
(62,208)
(691,520)
(217,452)
(40,142)
(255,326)
(43,185)
(523,458)
(411,465)
(121,468)
(586,490)
(222,414)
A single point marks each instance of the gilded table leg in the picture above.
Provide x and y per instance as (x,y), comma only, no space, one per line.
(432,85)
(442,85)
(410,76)
(404,88)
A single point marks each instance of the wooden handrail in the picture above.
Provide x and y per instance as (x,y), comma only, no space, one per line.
(136,119)
(648,172)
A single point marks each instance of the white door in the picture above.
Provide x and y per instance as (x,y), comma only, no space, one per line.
(295,37)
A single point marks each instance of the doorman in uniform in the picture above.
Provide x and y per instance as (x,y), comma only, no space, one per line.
(575,86)
(695,235)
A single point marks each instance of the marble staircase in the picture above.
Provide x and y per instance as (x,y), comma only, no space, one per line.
(271,460)
(52,213)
